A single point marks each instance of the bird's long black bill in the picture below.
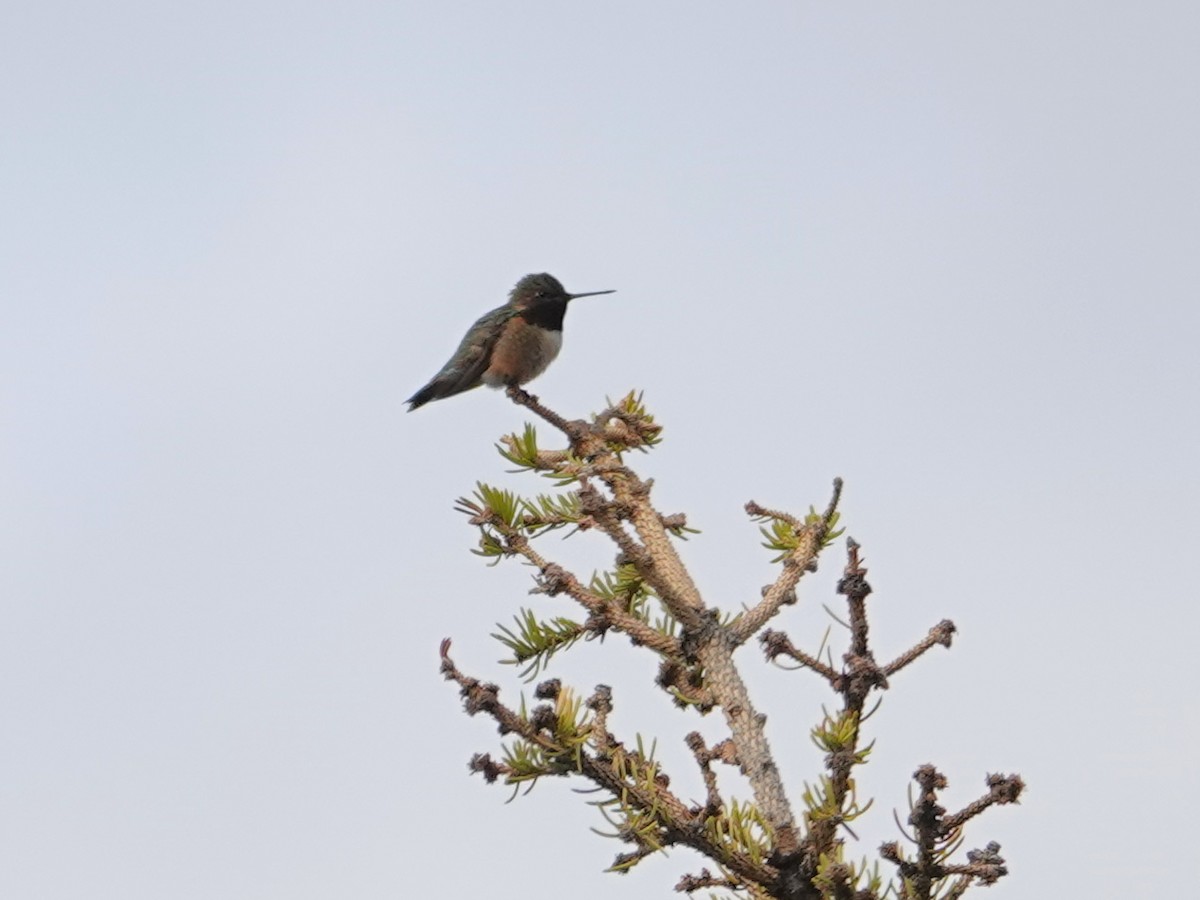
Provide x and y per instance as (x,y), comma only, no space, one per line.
(591,294)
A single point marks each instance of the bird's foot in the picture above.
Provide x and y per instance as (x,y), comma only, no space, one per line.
(518,393)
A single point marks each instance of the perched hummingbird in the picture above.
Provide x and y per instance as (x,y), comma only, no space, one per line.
(511,345)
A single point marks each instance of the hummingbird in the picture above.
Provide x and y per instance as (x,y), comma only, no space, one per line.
(511,345)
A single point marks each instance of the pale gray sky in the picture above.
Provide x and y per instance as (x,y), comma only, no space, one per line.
(945,250)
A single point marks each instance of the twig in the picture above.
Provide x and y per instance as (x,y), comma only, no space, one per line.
(704,757)
(940,633)
(776,643)
(812,539)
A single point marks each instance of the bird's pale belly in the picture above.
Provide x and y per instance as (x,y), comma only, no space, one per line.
(521,354)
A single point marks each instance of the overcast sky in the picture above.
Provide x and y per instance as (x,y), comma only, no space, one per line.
(945,250)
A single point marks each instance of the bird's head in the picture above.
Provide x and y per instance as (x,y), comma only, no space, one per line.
(542,288)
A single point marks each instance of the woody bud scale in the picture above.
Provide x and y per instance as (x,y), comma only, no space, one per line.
(511,345)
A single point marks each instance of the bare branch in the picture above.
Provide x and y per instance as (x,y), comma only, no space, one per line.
(689,884)
(940,633)
(704,758)
(1002,789)
(530,402)
(776,643)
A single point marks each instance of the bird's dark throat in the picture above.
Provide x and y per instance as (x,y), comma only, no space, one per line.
(548,314)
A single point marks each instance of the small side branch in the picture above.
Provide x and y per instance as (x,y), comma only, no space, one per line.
(776,644)
(1002,790)
(811,539)
(704,757)
(689,884)
(600,703)
(941,633)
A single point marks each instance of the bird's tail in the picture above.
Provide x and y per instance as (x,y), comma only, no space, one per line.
(423,396)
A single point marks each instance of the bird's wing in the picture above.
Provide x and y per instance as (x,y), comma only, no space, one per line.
(466,366)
